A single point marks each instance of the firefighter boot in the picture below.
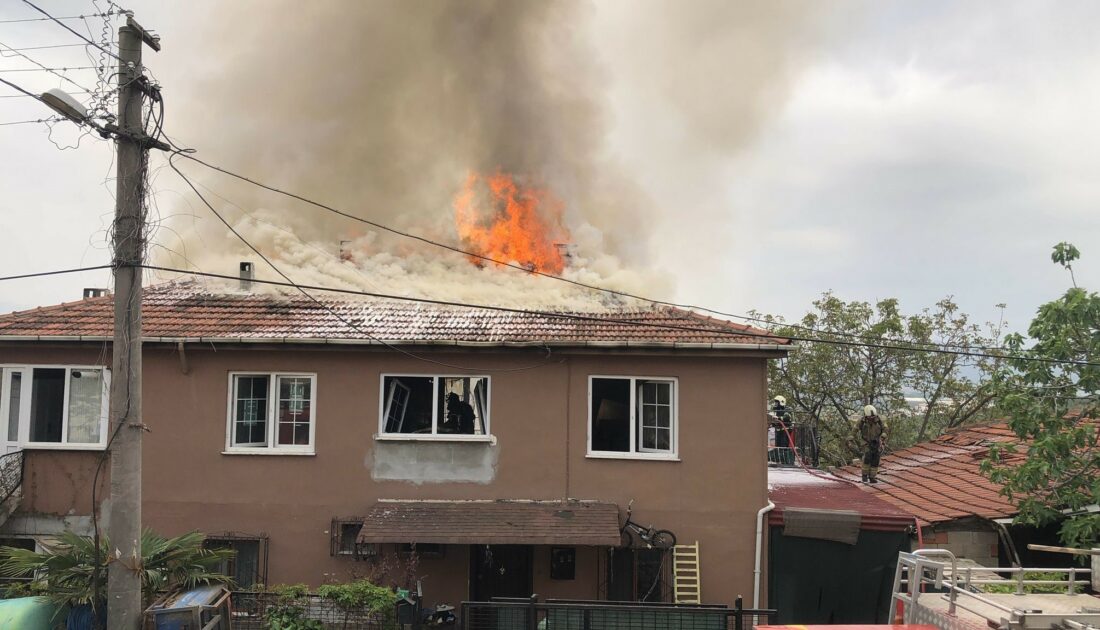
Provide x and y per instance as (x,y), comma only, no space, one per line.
(873,476)
(866,474)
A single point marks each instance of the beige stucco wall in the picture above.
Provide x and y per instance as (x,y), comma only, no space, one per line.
(539,417)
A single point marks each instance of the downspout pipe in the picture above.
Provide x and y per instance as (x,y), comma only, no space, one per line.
(759,553)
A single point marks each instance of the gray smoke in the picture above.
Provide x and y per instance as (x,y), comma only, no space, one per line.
(382,108)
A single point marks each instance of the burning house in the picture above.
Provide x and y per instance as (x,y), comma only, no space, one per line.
(490,453)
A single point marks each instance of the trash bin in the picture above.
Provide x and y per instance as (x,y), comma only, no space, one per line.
(205,608)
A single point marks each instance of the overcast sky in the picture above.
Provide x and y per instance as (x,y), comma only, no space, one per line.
(916,150)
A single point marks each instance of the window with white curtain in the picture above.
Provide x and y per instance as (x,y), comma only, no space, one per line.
(54,406)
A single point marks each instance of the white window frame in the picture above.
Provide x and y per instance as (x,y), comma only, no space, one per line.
(27,392)
(270,447)
(383,395)
(636,452)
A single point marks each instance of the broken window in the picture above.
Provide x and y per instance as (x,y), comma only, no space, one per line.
(632,415)
(54,405)
(272,411)
(435,405)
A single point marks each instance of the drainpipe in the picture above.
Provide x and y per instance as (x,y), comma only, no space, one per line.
(759,551)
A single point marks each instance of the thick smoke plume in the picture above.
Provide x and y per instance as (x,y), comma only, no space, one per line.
(385,109)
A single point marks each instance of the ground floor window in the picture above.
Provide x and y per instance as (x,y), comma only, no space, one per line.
(637,575)
(249,566)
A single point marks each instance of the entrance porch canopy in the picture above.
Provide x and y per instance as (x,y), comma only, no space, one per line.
(511,522)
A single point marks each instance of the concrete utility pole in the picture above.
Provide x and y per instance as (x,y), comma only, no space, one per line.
(124,605)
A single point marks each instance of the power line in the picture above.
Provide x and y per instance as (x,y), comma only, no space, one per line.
(329,309)
(51,119)
(42,274)
(34,96)
(68,28)
(21,48)
(20,89)
(49,69)
(605,320)
(47,19)
(551,276)
(304,288)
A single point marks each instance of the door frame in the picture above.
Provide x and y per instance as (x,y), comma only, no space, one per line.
(475,559)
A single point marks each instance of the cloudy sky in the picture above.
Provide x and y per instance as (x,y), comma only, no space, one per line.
(886,149)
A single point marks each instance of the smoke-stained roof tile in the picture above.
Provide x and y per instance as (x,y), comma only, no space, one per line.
(184,309)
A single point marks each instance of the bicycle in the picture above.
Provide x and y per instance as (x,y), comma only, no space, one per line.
(653,538)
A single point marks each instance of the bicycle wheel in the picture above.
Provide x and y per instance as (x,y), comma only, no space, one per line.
(662,539)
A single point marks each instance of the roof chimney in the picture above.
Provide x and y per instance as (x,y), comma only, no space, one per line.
(246,275)
(94,293)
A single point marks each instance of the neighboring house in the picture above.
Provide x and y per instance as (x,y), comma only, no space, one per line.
(940,482)
(832,549)
(502,447)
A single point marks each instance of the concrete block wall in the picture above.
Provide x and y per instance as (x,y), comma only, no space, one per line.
(977,545)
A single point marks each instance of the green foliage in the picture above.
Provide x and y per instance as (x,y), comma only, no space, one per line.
(359,594)
(1052,405)
(288,613)
(1032,588)
(830,383)
(63,571)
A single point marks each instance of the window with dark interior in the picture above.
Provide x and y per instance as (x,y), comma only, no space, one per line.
(249,564)
(434,406)
(631,415)
(636,575)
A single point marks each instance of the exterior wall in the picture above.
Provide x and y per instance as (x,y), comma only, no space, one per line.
(538,416)
(978,545)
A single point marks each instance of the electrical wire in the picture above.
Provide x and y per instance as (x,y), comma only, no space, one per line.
(33,96)
(22,48)
(627,322)
(301,289)
(43,274)
(68,28)
(51,119)
(517,267)
(47,19)
(53,70)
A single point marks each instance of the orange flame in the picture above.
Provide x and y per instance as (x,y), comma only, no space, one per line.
(511,223)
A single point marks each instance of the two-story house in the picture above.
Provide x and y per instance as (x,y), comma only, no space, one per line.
(498,449)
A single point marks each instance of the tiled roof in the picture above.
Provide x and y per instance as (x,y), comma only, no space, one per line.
(184,310)
(492,522)
(801,489)
(940,481)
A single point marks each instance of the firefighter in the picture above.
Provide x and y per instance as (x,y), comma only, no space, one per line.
(872,433)
(781,420)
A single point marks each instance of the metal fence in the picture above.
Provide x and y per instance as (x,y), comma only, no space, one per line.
(257,611)
(530,614)
(11,474)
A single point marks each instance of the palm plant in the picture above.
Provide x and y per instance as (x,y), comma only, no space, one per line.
(63,570)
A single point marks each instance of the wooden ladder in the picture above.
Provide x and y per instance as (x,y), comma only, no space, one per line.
(685,574)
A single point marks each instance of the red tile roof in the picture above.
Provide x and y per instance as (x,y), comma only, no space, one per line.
(184,310)
(940,481)
(797,488)
(492,522)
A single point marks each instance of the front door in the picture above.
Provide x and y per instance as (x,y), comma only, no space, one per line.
(500,571)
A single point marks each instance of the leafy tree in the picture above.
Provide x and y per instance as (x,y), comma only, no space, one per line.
(1051,402)
(63,571)
(877,359)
